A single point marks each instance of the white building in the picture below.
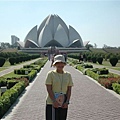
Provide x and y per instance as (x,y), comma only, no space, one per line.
(14,39)
(52,32)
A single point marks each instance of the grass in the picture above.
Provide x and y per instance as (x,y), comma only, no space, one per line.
(107,64)
(10,75)
(2,68)
(7,64)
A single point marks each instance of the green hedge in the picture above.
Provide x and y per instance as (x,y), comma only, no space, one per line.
(92,74)
(100,60)
(79,67)
(12,60)
(102,71)
(116,87)
(87,65)
(9,97)
(33,66)
(3,82)
(2,61)
(113,61)
(11,83)
(21,71)
(32,75)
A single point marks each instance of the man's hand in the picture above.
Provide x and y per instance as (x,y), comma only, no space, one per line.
(55,104)
(65,105)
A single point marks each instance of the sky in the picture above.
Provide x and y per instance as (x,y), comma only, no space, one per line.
(97,21)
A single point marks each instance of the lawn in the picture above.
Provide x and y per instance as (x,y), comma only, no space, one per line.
(107,64)
(2,68)
(10,75)
(7,64)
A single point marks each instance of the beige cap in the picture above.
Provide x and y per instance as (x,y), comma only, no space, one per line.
(59,58)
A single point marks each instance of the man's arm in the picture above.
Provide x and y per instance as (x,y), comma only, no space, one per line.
(51,94)
(68,94)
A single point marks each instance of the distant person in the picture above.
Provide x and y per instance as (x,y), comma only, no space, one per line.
(84,57)
(65,56)
(58,84)
(79,57)
(52,60)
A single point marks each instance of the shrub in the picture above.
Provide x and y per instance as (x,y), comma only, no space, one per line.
(2,61)
(12,60)
(113,61)
(89,58)
(92,74)
(26,66)
(32,74)
(21,71)
(102,71)
(6,104)
(9,97)
(94,60)
(11,83)
(3,82)
(87,65)
(79,67)
(116,87)
(100,60)
(1,108)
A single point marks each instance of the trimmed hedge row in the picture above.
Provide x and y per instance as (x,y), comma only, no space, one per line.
(17,85)
(10,96)
(2,61)
(31,75)
(16,60)
(8,83)
(97,57)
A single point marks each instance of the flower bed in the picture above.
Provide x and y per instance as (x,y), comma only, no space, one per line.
(103,76)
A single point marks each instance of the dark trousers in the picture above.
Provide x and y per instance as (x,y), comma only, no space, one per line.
(55,113)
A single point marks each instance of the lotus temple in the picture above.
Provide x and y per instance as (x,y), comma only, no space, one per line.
(52,33)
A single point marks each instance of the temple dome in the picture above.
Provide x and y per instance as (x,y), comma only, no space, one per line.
(52,32)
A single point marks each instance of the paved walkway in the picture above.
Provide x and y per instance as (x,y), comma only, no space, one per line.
(89,101)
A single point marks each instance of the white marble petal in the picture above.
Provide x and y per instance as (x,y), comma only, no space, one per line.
(21,44)
(62,23)
(50,23)
(31,43)
(73,35)
(75,43)
(41,26)
(32,34)
(45,36)
(61,36)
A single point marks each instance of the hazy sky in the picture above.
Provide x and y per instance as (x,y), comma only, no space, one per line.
(97,21)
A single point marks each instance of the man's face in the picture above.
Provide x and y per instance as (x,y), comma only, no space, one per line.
(60,65)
